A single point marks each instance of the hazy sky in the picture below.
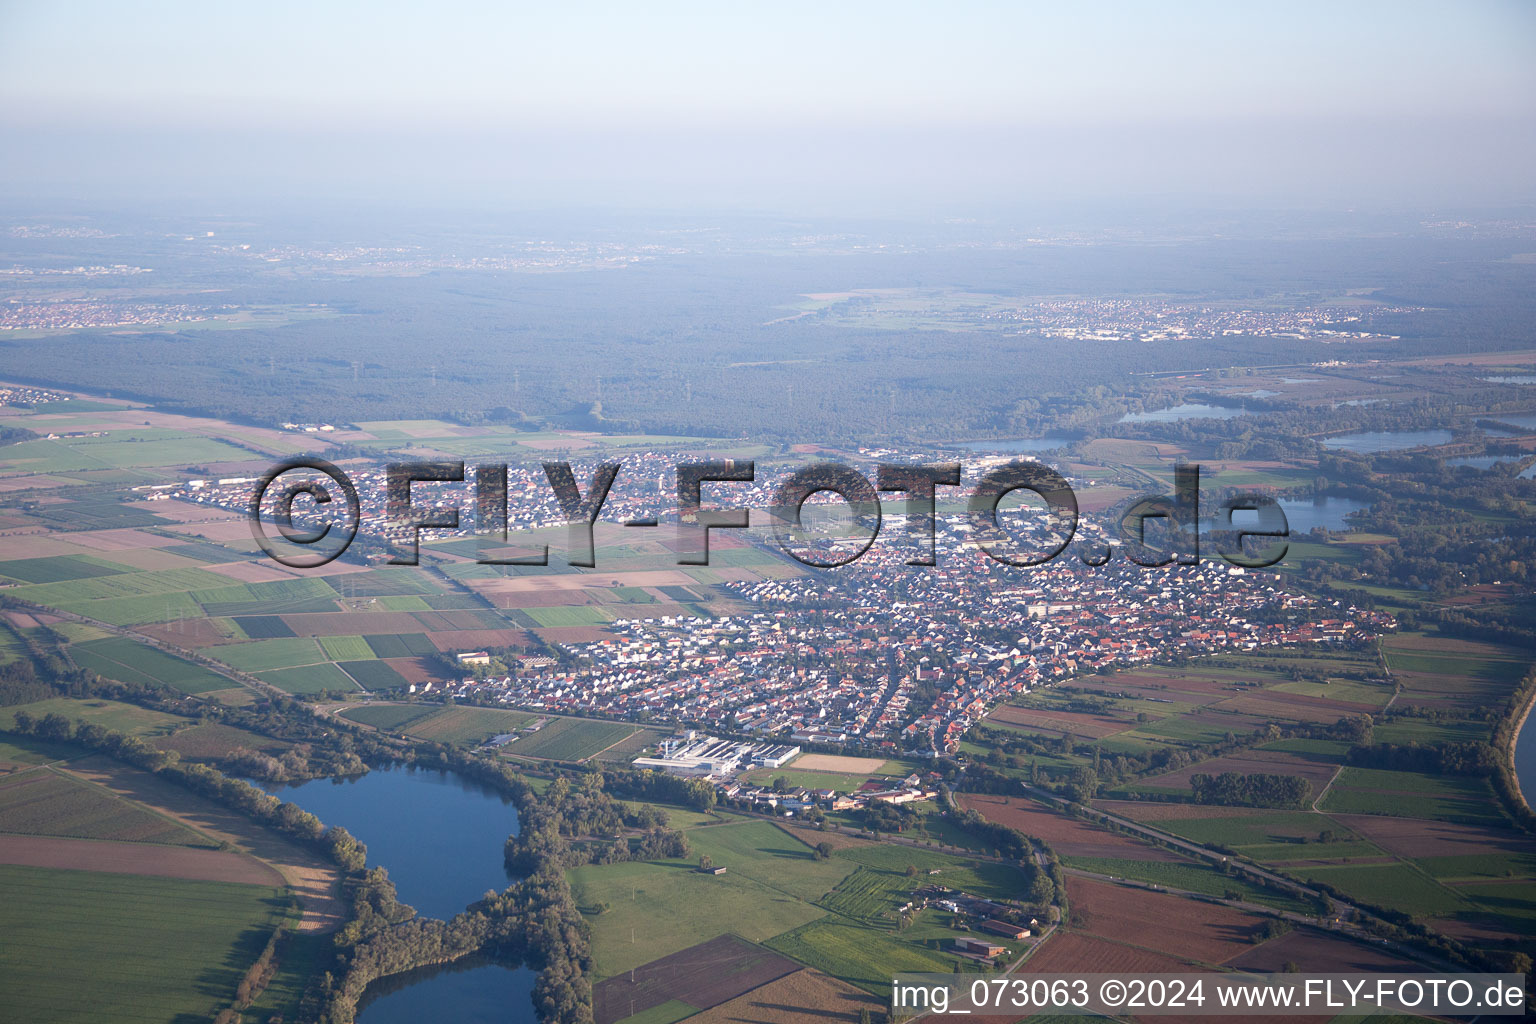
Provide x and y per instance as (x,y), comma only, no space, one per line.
(925,104)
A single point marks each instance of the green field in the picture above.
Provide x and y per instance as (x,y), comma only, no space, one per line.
(860,956)
(569,615)
(406,645)
(59,569)
(1396,886)
(468,726)
(346,648)
(308,679)
(47,803)
(389,717)
(109,714)
(373,674)
(87,947)
(570,739)
(662,907)
(266,655)
(129,661)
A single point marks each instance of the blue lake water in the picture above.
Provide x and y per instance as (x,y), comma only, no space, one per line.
(1475,461)
(440,836)
(1301,516)
(469,991)
(1525,760)
(1260,393)
(1017,444)
(1524,420)
(1372,442)
(1520,379)
(1186,411)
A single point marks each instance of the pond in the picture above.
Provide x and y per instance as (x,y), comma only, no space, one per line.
(439,835)
(1372,442)
(1524,420)
(1520,379)
(1186,411)
(1475,461)
(468,991)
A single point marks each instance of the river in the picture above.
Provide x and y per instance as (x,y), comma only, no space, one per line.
(441,837)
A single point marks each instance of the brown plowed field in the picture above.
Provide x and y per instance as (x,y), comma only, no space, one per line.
(1079,724)
(806,995)
(703,976)
(1312,950)
(1191,929)
(1290,706)
(471,639)
(1069,837)
(136,859)
(1410,838)
(1073,953)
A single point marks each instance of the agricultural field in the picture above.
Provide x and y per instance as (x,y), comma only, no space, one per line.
(570,739)
(1204,933)
(389,717)
(132,662)
(309,679)
(466,726)
(44,802)
(640,912)
(84,946)
(109,714)
(690,980)
(793,998)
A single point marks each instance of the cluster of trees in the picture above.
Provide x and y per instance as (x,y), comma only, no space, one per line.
(1004,841)
(881,816)
(1251,789)
(1465,758)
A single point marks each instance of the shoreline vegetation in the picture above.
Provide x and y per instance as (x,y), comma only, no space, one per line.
(1506,736)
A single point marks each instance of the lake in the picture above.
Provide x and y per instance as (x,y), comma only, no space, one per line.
(1302,516)
(1521,379)
(1017,444)
(468,991)
(1372,442)
(1525,759)
(439,835)
(1476,461)
(1524,420)
(1186,411)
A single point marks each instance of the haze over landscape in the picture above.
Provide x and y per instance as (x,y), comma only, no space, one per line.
(894,280)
